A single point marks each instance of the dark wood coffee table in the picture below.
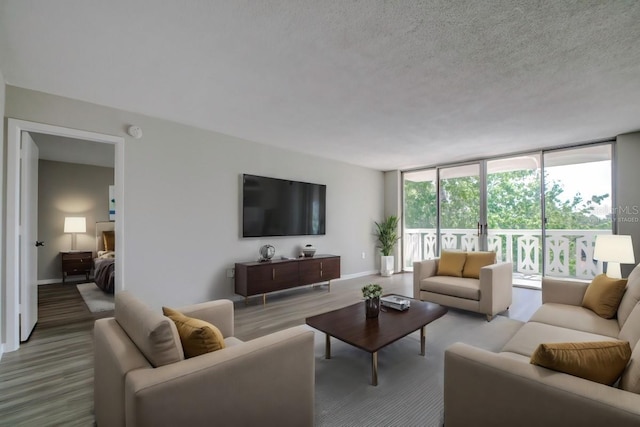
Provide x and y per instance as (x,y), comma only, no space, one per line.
(350,325)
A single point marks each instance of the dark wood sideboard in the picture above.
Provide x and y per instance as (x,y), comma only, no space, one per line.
(260,278)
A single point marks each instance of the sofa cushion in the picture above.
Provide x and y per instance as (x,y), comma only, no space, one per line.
(527,339)
(451,263)
(574,317)
(603,295)
(475,261)
(631,297)
(197,336)
(630,379)
(155,335)
(600,361)
(459,287)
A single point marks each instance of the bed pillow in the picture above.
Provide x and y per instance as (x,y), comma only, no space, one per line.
(475,261)
(599,361)
(197,336)
(109,239)
(603,295)
(451,263)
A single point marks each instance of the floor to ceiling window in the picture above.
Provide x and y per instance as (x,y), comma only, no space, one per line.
(499,205)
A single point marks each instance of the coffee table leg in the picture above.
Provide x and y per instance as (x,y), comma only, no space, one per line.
(374,368)
(422,341)
(327,346)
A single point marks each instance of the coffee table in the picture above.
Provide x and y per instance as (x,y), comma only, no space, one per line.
(350,325)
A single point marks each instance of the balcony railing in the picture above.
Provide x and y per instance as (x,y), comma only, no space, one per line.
(568,253)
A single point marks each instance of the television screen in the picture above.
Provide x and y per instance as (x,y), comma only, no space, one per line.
(278,207)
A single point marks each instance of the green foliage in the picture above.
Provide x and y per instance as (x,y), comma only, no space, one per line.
(372,290)
(387,232)
(513,203)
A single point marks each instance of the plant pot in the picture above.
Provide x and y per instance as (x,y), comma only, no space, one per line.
(386,265)
(372,307)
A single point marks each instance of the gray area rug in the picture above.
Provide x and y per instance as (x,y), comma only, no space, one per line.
(95,298)
(410,386)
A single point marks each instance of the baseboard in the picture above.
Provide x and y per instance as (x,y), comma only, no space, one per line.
(49,281)
(356,275)
(1,350)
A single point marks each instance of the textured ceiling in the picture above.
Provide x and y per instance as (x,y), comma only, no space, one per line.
(384,84)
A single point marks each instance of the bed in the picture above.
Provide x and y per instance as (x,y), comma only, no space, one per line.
(104,263)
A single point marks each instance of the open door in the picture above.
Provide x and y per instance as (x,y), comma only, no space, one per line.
(28,235)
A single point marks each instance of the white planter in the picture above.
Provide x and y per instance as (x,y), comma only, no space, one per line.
(386,265)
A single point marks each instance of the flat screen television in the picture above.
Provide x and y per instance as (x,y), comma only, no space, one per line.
(280,207)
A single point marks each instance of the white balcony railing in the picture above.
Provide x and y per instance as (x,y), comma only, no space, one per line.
(568,253)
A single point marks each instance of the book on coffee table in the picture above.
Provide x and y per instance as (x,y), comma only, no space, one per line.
(396,302)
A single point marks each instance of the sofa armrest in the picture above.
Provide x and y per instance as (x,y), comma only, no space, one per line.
(561,291)
(422,270)
(496,287)
(217,312)
(482,388)
(266,381)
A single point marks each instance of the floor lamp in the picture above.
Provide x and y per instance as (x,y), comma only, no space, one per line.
(73,225)
(614,249)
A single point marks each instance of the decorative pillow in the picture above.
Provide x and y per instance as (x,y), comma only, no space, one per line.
(109,239)
(475,261)
(603,295)
(451,263)
(155,335)
(599,361)
(197,336)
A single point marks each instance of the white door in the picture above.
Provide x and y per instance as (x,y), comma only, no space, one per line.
(28,236)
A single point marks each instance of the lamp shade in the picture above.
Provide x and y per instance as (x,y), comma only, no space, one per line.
(614,248)
(75,224)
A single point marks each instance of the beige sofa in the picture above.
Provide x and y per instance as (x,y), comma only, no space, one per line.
(483,388)
(489,295)
(142,378)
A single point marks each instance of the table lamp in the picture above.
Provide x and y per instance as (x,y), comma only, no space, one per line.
(73,225)
(614,249)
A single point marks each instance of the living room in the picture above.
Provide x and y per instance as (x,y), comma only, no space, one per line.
(179,222)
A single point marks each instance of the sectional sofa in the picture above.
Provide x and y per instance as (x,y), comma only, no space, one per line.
(483,388)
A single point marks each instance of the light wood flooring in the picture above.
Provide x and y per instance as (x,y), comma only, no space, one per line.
(49,380)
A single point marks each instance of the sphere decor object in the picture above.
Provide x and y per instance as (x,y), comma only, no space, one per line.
(267,252)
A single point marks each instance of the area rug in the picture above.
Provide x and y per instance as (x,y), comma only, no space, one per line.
(410,386)
(95,299)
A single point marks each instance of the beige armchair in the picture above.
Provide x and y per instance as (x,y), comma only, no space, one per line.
(142,378)
(489,295)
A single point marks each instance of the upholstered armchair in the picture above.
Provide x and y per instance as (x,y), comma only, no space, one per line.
(485,289)
(143,379)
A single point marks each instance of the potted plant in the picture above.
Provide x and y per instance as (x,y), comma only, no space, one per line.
(387,233)
(371,294)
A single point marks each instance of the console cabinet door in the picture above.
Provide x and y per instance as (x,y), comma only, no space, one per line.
(331,268)
(271,277)
(310,271)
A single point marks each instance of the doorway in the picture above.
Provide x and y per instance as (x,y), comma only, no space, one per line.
(14,289)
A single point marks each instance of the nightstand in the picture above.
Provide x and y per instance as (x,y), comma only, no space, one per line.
(76,262)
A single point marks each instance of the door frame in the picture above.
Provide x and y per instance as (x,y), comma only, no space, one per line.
(15,128)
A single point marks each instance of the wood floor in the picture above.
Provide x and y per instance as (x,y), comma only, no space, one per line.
(49,380)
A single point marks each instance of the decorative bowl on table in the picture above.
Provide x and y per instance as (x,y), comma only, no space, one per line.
(308,251)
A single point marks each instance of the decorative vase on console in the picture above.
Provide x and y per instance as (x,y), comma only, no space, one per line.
(371,294)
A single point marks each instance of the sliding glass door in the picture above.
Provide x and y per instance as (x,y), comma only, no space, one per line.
(577,208)
(499,205)
(460,222)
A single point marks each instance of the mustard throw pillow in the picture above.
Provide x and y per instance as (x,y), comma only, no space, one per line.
(603,295)
(451,263)
(475,261)
(600,361)
(197,336)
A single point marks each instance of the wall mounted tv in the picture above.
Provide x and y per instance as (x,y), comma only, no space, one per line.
(279,207)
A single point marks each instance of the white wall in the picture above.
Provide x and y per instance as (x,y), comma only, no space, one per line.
(182,198)
(627,191)
(393,206)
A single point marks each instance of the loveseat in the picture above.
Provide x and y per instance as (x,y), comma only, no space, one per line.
(477,283)
(484,388)
(143,379)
